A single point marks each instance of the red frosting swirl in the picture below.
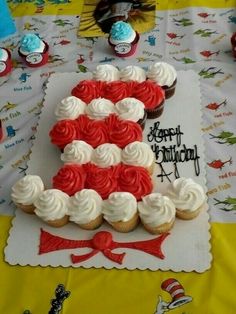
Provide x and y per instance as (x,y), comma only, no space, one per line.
(87,90)
(150,93)
(102,180)
(123,132)
(64,132)
(94,132)
(69,179)
(135,180)
(116,91)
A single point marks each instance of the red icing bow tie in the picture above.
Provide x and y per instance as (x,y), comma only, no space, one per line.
(101,242)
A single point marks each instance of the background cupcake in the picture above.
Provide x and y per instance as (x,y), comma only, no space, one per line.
(85,209)
(120,211)
(188,196)
(5,65)
(165,75)
(33,50)
(25,191)
(157,213)
(123,39)
(52,207)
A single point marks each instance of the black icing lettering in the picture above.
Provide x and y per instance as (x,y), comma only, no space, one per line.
(163,174)
(158,135)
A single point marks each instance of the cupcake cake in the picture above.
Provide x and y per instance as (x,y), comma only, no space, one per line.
(157,213)
(188,196)
(139,154)
(106,73)
(153,97)
(77,152)
(106,155)
(33,50)
(25,191)
(5,65)
(131,109)
(165,75)
(52,207)
(85,209)
(133,73)
(70,108)
(123,39)
(120,211)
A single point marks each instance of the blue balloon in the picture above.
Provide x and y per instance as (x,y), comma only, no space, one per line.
(7,25)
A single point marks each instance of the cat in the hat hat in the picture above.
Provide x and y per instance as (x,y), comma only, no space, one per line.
(176,291)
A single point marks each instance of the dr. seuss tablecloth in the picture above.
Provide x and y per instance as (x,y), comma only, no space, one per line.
(196,38)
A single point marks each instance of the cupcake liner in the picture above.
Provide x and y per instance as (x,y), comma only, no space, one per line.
(151,168)
(142,121)
(187,214)
(93,224)
(29,209)
(124,49)
(126,226)
(36,59)
(57,223)
(159,229)
(156,112)
(170,91)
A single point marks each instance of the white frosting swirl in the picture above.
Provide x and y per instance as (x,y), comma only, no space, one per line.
(78,152)
(4,54)
(99,108)
(162,73)
(52,204)
(85,206)
(133,73)
(186,194)
(70,108)
(155,210)
(106,155)
(137,154)
(26,190)
(120,206)
(106,73)
(130,109)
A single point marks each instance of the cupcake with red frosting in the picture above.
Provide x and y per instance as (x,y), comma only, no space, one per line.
(70,179)
(116,90)
(123,39)
(120,211)
(87,90)
(153,97)
(64,132)
(33,50)
(135,180)
(5,65)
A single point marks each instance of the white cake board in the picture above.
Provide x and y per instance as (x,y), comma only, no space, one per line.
(187,248)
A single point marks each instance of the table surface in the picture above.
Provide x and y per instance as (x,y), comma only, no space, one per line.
(193,37)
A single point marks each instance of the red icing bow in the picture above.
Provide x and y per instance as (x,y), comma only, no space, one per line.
(101,242)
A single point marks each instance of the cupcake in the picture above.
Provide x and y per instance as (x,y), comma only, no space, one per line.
(5,65)
(133,73)
(87,90)
(188,196)
(26,191)
(99,108)
(106,155)
(164,75)
(70,108)
(157,213)
(139,154)
(106,73)
(153,97)
(85,209)
(132,109)
(120,211)
(64,132)
(77,152)
(52,207)
(123,39)
(33,50)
